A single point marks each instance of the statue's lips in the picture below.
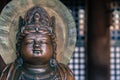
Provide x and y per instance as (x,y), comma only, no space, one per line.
(37,51)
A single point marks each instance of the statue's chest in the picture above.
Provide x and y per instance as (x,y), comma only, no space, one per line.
(28,76)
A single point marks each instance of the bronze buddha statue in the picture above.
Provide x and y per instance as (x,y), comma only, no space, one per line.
(36,50)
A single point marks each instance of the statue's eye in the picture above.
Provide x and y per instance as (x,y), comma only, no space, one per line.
(43,42)
(29,42)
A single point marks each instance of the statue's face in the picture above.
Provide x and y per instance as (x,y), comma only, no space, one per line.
(36,49)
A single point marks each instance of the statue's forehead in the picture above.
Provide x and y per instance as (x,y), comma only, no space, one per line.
(37,35)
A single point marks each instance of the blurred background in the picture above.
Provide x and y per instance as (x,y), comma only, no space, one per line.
(97,52)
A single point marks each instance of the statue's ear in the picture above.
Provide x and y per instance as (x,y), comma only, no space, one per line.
(52,22)
(20,25)
(21,22)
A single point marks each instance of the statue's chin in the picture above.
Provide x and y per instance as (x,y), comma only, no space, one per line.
(37,54)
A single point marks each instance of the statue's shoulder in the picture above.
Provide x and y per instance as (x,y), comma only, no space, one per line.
(65,71)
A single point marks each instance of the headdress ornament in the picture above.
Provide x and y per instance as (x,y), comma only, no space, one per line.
(37,20)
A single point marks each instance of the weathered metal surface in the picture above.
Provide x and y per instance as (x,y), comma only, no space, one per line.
(65,27)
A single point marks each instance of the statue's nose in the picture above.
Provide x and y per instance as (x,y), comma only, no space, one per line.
(36,44)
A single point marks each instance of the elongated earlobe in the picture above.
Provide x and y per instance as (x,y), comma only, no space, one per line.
(53,62)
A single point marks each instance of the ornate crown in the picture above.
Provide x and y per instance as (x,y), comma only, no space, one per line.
(37,20)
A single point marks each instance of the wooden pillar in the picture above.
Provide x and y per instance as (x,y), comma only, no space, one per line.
(98,49)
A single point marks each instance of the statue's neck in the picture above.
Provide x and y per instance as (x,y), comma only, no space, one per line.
(41,69)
